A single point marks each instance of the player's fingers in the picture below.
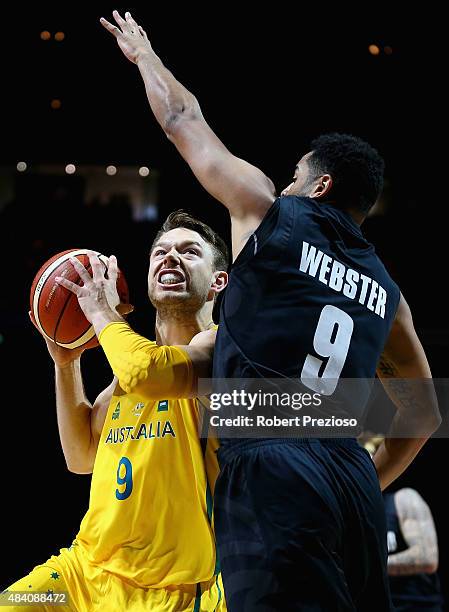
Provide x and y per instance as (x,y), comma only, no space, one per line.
(83,273)
(114,30)
(132,23)
(112,268)
(142,31)
(97,267)
(76,289)
(121,22)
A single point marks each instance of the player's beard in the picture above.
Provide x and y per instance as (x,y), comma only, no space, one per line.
(306,189)
(178,305)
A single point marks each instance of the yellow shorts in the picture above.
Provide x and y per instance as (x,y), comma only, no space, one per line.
(88,588)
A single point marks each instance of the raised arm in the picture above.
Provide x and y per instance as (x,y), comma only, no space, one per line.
(417,416)
(241,187)
(418,529)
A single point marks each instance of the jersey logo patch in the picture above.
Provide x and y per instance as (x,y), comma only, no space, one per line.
(162,406)
(116,413)
(137,410)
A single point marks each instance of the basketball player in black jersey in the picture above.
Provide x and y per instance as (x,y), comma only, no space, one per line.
(412,553)
(299,523)
(412,548)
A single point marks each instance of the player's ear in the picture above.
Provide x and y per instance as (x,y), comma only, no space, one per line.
(219,282)
(322,186)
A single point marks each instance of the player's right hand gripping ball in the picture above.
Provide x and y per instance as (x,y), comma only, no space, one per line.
(55,309)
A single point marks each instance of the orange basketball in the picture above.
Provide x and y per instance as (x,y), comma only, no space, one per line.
(55,309)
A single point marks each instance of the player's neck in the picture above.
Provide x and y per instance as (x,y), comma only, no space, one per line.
(357,216)
(179,328)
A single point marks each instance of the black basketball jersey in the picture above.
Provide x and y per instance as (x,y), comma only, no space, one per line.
(421,590)
(307,298)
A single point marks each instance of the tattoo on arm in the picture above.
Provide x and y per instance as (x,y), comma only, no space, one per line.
(406,394)
(386,368)
(419,533)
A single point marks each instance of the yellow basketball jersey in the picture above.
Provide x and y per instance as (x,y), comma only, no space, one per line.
(150,511)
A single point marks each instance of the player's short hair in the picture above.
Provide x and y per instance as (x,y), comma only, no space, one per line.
(181,218)
(355,166)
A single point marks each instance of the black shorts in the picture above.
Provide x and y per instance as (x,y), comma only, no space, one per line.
(300,525)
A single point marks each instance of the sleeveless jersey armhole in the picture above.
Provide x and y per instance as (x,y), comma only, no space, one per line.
(260,236)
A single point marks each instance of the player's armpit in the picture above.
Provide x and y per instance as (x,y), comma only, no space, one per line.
(146,368)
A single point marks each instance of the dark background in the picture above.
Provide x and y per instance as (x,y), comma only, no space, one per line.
(268,81)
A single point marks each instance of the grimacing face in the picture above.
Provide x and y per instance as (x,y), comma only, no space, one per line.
(181,270)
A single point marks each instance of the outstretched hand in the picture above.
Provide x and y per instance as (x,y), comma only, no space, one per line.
(98,294)
(131,37)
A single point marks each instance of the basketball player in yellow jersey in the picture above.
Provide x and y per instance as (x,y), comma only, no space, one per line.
(146,542)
